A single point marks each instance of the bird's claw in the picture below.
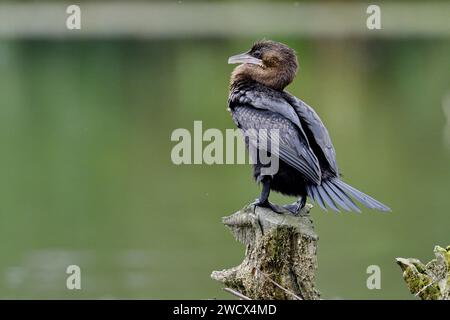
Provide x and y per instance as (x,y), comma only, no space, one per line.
(292,208)
(296,207)
(267,204)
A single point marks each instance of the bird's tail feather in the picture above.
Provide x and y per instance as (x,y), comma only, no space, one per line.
(334,192)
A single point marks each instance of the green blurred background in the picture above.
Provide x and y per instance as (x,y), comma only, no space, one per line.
(87,178)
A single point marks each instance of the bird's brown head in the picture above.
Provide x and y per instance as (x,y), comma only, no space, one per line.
(270,63)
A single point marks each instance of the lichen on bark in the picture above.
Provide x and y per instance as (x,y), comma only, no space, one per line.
(429,281)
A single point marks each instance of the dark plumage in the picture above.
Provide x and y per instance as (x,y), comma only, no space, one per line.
(307,159)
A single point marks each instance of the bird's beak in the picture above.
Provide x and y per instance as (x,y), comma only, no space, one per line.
(244,58)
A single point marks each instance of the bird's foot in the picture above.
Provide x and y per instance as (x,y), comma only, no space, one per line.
(292,208)
(296,207)
(269,205)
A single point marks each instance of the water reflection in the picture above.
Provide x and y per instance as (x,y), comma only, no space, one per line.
(43,273)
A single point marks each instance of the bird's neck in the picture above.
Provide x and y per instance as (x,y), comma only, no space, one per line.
(275,78)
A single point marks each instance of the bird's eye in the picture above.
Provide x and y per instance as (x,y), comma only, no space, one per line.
(257,54)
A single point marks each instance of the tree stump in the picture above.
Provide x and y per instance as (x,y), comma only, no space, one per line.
(280,257)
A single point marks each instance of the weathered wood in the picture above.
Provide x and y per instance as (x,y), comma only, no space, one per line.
(280,258)
(430,281)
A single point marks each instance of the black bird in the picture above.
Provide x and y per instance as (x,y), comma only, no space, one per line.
(307,159)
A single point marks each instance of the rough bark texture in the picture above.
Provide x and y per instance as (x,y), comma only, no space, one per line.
(279,247)
(430,281)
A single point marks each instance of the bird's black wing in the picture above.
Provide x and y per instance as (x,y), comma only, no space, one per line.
(318,130)
(266,112)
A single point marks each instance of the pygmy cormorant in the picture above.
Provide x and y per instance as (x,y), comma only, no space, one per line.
(307,159)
